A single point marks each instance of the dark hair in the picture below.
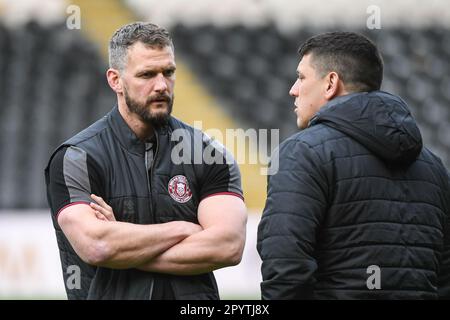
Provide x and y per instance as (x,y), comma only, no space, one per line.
(353,56)
(147,33)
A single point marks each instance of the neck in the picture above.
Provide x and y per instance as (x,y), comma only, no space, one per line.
(141,129)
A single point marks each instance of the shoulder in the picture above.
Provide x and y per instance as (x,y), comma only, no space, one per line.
(431,158)
(85,142)
(314,138)
(428,158)
(197,137)
(89,134)
(175,123)
(71,159)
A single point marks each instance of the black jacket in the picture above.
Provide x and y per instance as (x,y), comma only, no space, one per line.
(354,190)
(107,159)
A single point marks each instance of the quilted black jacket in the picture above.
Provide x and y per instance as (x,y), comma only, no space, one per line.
(354,190)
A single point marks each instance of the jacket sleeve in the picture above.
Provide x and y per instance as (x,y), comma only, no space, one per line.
(295,206)
(444,272)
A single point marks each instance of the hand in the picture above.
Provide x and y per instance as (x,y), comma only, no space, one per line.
(189,227)
(102,210)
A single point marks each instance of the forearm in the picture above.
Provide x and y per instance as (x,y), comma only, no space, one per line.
(202,252)
(126,245)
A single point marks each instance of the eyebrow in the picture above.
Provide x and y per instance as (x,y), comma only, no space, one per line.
(155,70)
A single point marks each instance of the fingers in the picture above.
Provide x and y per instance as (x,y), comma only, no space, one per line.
(101,213)
(100,216)
(101,202)
(102,208)
(108,214)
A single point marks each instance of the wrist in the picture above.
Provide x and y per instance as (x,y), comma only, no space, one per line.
(184,229)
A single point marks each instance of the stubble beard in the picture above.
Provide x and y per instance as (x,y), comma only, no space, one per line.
(156,119)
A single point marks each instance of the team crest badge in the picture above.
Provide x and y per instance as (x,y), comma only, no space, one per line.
(179,189)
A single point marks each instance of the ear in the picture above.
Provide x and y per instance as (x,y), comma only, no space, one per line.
(333,83)
(114,80)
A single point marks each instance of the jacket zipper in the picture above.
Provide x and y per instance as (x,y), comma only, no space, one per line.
(151,175)
(152,281)
(149,183)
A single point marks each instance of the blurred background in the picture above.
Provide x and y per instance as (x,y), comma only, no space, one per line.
(236,60)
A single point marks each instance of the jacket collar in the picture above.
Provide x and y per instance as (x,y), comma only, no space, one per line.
(125,135)
(332,104)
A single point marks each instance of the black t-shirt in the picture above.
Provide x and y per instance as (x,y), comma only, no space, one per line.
(74,176)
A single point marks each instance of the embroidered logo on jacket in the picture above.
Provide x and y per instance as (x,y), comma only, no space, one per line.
(179,189)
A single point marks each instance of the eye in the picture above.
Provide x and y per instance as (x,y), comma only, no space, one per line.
(169,72)
(147,75)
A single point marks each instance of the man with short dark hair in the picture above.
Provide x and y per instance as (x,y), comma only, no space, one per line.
(358,208)
(137,221)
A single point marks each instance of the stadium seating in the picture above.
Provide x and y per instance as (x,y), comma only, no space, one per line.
(52,85)
(251,71)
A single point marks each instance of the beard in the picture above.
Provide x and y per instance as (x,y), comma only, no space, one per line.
(158,118)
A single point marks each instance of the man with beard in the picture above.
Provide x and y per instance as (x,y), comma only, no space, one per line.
(157,227)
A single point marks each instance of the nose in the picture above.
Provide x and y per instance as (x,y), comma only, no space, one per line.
(160,83)
(294,89)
